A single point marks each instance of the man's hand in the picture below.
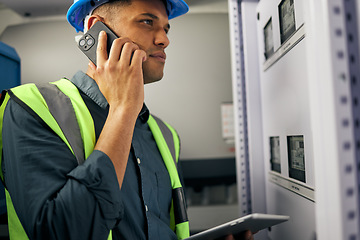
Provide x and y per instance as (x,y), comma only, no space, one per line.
(119,74)
(120,79)
(247,235)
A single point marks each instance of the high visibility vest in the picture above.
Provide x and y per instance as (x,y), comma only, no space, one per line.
(74,117)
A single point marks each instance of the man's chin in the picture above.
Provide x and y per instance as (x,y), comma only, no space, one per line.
(148,81)
(152,71)
(153,77)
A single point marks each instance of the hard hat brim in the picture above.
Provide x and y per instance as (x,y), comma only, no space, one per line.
(81,8)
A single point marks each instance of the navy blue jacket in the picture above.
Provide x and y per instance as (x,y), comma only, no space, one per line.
(57,199)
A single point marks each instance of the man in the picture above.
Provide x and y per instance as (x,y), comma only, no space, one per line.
(124,189)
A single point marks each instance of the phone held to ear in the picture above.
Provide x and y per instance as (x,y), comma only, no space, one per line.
(89,41)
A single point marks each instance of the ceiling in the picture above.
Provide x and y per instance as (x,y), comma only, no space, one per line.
(42,8)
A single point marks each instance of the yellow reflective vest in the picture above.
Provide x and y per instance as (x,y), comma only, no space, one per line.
(42,100)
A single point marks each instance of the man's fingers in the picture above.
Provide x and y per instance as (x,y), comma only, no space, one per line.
(117,47)
(229,237)
(246,235)
(92,65)
(101,51)
(128,52)
(139,56)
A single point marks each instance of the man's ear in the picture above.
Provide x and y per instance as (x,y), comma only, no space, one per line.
(93,19)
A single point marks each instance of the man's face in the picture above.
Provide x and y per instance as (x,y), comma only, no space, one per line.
(146,24)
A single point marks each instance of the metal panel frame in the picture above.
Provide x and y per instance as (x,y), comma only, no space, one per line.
(253,102)
(239,101)
(334,92)
(335,115)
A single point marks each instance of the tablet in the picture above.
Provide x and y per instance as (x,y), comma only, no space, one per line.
(253,222)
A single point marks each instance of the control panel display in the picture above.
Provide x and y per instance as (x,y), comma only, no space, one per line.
(275,154)
(296,156)
(268,38)
(287,19)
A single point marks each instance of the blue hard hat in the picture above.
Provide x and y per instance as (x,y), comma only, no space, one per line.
(81,8)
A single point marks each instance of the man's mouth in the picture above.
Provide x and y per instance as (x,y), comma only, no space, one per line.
(160,56)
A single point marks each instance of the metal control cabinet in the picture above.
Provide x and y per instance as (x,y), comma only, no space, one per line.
(287,132)
(304,88)
(333,38)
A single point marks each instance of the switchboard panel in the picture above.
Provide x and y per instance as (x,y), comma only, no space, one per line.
(285,105)
(307,73)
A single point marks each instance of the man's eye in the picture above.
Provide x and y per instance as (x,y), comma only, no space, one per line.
(148,21)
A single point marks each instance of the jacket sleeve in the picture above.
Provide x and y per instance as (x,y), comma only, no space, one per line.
(53,196)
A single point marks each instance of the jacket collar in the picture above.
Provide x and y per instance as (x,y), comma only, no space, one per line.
(89,87)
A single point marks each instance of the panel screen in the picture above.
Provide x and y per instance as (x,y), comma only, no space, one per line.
(296,154)
(287,19)
(275,154)
(269,40)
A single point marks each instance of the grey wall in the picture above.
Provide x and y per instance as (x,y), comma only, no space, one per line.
(197,76)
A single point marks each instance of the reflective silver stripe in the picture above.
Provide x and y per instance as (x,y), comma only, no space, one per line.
(62,110)
(168,136)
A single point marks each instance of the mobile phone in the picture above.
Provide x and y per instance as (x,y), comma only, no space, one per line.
(89,41)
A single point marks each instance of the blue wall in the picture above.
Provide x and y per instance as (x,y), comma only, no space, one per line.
(9,77)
